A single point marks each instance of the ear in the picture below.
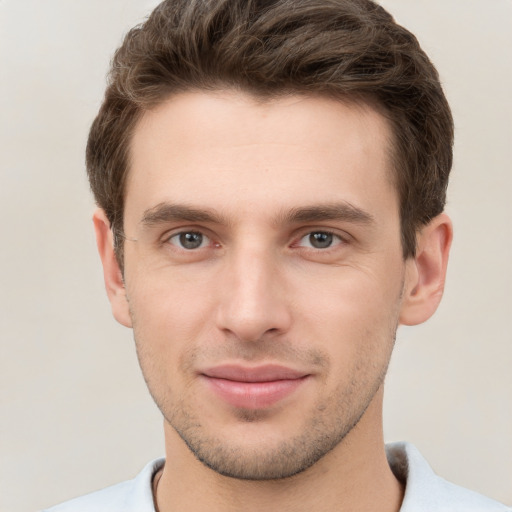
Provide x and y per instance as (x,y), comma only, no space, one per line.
(112,275)
(426,272)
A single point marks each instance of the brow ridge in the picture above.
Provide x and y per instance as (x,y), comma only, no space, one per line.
(168,212)
(344,211)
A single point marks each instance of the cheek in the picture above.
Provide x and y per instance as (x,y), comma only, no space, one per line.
(352,310)
(351,292)
(167,317)
(167,310)
(169,295)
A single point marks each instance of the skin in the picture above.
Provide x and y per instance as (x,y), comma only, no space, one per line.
(263,179)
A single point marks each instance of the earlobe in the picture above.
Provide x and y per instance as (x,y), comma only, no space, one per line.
(426,272)
(112,274)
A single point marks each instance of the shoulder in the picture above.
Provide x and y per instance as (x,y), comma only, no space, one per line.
(427,492)
(130,496)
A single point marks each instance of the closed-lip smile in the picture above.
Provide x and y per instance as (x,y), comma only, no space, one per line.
(253,388)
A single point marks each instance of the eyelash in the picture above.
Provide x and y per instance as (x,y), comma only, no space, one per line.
(185,233)
(335,240)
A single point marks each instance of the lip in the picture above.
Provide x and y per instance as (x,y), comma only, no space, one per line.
(253,387)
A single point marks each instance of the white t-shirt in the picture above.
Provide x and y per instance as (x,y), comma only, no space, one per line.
(424,490)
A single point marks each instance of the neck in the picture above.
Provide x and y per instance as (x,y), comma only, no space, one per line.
(354,476)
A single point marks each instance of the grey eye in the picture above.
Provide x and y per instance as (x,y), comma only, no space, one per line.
(189,240)
(320,240)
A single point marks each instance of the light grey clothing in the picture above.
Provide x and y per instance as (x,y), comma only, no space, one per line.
(424,490)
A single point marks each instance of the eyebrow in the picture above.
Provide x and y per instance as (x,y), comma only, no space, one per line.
(168,212)
(334,211)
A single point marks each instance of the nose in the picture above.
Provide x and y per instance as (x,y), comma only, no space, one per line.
(253,303)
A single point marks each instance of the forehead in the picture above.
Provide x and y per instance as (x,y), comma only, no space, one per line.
(227,149)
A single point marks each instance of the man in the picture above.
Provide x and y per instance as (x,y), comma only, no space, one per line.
(271,178)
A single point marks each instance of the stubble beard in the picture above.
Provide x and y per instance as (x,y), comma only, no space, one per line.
(287,459)
(327,426)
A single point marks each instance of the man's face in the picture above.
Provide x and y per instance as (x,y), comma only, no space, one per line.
(264,274)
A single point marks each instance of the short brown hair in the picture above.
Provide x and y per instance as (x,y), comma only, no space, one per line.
(348,49)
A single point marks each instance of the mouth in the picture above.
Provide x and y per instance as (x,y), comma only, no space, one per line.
(253,388)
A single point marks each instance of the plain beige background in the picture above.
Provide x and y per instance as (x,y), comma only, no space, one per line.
(76,415)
